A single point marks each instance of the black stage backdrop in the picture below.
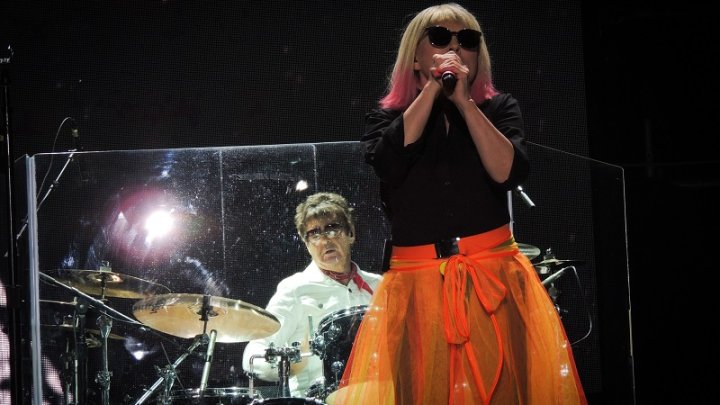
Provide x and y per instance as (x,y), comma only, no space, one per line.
(178,74)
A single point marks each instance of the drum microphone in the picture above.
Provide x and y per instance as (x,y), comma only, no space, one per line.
(208,360)
(448,82)
(526,199)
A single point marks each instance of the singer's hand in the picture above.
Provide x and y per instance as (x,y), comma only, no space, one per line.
(451,62)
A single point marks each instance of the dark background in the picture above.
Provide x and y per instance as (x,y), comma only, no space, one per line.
(627,83)
(651,75)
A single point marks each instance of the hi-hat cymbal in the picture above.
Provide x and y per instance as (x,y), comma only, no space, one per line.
(180,315)
(529,250)
(107,283)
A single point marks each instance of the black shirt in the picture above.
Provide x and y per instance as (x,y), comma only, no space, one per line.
(437,187)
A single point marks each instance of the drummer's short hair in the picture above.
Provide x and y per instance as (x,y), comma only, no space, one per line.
(324,204)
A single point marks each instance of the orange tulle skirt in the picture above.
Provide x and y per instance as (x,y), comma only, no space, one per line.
(474,328)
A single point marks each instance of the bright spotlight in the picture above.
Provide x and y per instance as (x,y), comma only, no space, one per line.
(301,185)
(158,224)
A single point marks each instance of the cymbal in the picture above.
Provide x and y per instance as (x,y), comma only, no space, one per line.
(529,250)
(115,284)
(179,315)
(558,263)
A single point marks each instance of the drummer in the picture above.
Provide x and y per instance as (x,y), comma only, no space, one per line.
(331,282)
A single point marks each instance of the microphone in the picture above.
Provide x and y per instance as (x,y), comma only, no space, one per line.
(76,137)
(448,82)
(78,148)
(208,360)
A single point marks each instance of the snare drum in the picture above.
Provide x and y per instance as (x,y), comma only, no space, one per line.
(334,340)
(212,396)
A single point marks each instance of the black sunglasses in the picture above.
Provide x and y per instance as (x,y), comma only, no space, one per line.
(440,37)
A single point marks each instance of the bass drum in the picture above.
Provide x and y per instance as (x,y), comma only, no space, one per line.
(212,396)
(288,401)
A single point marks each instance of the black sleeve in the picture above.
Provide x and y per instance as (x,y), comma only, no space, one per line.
(383,145)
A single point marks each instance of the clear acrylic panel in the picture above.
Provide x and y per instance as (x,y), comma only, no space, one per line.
(121,228)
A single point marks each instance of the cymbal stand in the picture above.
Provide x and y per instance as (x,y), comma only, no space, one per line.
(103,376)
(68,374)
(167,374)
(105,324)
(80,337)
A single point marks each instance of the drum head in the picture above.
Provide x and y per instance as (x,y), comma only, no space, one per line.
(336,316)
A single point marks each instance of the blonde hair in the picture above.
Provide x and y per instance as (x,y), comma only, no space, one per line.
(403,86)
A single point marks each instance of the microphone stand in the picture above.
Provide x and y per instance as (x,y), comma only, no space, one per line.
(47,194)
(14,293)
(167,374)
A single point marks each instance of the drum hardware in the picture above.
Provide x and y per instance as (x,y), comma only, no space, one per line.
(550,270)
(281,358)
(105,325)
(78,339)
(91,341)
(212,396)
(168,373)
(104,375)
(287,401)
(80,366)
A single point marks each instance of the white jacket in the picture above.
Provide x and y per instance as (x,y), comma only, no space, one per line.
(306,294)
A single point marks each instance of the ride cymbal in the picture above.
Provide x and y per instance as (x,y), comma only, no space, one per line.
(107,283)
(180,315)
